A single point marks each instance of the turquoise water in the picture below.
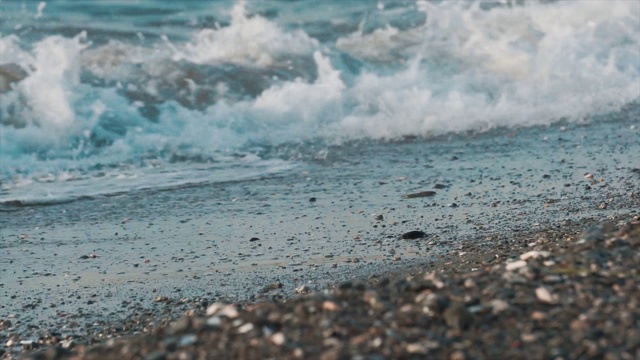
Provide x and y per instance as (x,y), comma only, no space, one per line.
(124,95)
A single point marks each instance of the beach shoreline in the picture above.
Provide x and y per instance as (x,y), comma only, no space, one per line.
(560,292)
(77,275)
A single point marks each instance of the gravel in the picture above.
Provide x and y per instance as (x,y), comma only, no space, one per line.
(559,293)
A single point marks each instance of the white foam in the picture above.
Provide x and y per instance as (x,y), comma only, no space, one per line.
(247,40)
(49,88)
(41,7)
(477,69)
(464,69)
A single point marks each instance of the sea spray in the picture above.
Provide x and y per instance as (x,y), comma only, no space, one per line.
(181,87)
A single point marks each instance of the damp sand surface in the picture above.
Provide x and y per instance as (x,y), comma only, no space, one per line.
(104,267)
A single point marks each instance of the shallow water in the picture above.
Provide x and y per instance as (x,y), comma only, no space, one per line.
(317,224)
(121,96)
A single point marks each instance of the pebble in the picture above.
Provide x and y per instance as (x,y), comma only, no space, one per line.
(515,265)
(213,309)
(214,322)
(330,306)
(187,340)
(420,194)
(271,287)
(544,295)
(229,311)
(457,316)
(435,303)
(245,328)
(534,254)
(412,235)
(304,289)
(417,348)
(538,315)
(181,325)
(277,339)
(157,355)
(498,306)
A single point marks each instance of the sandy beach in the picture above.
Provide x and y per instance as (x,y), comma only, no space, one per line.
(294,179)
(110,277)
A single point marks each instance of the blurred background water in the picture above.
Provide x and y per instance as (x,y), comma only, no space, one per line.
(106,97)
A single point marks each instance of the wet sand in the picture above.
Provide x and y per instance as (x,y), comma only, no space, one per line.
(101,268)
(556,293)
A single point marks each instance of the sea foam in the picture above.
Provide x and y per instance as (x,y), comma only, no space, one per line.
(268,78)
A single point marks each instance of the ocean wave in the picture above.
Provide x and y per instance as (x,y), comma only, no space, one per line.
(259,76)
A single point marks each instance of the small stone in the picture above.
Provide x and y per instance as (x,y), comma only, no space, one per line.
(245,328)
(417,348)
(602,206)
(435,303)
(538,315)
(156,355)
(214,322)
(254,239)
(420,194)
(271,287)
(213,309)
(515,265)
(229,311)
(457,316)
(379,217)
(469,283)
(5,323)
(330,306)
(588,176)
(544,295)
(527,338)
(312,199)
(29,344)
(498,306)
(304,289)
(534,255)
(412,235)
(277,339)
(181,325)
(187,340)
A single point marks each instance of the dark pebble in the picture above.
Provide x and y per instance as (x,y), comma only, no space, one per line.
(415,234)
(420,194)
(457,316)
(158,355)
